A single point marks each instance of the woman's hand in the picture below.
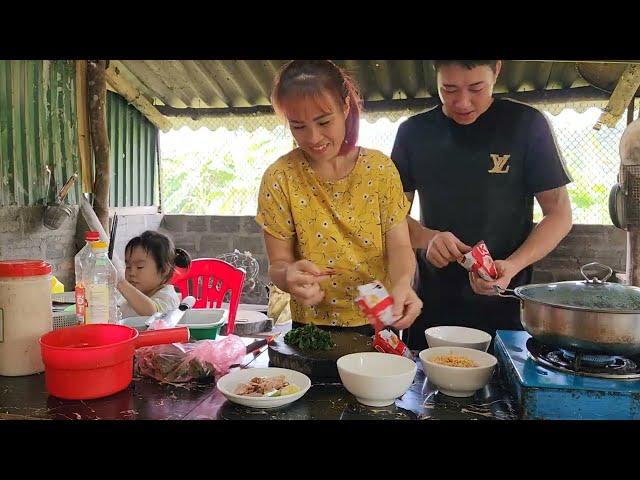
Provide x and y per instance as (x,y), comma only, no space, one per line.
(303,282)
(406,306)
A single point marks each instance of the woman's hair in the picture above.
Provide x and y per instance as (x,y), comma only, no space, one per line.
(161,248)
(312,79)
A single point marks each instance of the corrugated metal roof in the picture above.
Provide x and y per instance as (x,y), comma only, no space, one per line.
(247,83)
(133,155)
(38,127)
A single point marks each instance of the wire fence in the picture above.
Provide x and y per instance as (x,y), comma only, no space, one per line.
(214,166)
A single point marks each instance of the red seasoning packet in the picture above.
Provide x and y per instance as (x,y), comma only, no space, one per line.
(376,303)
(386,341)
(479,260)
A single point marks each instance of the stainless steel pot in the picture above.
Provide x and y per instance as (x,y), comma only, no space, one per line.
(588,316)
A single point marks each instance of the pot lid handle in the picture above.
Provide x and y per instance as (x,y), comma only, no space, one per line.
(595,279)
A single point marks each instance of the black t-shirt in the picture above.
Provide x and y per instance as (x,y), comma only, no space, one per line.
(477,181)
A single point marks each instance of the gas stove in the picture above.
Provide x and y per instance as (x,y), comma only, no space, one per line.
(551,383)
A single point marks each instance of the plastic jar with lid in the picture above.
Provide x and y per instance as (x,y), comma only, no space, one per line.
(25,315)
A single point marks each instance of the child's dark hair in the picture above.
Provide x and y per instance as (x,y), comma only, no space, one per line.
(161,248)
(310,78)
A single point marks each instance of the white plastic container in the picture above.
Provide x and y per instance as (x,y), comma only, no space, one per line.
(25,315)
(204,323)
(204,317)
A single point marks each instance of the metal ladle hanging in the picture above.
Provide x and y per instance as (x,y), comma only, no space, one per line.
(56,212)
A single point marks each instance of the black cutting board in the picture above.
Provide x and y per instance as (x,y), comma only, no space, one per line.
(320,365)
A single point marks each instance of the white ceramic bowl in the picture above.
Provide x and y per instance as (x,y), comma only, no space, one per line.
(451,336)
(228,384)
(458,381)
(376,379)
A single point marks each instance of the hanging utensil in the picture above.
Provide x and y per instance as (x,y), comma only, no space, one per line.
(67,186)
(51,187)
(46,195)
(55,213)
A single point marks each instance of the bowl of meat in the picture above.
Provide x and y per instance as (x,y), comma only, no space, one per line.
(264,387)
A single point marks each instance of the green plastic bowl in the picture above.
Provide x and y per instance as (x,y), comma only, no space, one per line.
(204,323)
(204,333)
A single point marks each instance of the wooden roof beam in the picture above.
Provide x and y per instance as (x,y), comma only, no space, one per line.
(622,95)
(135,97)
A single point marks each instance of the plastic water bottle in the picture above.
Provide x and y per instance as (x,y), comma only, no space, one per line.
(80,265)
(99,278)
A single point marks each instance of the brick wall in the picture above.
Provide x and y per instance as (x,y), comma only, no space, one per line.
(585,243)
(22,235)
(130,226)
(209,236)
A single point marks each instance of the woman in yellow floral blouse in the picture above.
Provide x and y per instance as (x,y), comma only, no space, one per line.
(331,205)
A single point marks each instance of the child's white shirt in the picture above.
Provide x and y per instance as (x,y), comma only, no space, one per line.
(164,300)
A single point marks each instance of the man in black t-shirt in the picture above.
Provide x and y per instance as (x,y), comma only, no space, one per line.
(477,164)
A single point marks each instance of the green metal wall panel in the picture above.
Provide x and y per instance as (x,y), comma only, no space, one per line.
(38,127)
(133,151)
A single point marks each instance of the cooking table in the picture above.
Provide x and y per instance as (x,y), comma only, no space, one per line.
(147,399)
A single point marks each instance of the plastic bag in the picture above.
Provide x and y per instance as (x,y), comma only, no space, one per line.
(184,362)
(279,309)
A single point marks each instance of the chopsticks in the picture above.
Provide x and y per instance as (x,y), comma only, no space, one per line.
(112,236)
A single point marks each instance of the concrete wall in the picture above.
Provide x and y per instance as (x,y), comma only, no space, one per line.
(22,235)
(203,236)
(585,243)
(211,236)
(130,226)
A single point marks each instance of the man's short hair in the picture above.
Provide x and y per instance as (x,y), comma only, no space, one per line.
(468,64)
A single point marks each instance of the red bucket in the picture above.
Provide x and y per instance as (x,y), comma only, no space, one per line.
(94,361)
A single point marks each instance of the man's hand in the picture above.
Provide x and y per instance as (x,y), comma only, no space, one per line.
(445,248)
(506,271)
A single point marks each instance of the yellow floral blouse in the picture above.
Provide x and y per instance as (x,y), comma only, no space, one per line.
(337,224)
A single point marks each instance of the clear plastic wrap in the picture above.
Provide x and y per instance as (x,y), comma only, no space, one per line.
(184,362)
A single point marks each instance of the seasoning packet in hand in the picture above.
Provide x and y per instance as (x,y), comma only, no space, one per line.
(376,303)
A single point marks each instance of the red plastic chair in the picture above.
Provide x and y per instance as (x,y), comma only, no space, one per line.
(208,280)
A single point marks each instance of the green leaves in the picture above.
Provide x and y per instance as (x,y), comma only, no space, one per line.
(309,338)
(217,172)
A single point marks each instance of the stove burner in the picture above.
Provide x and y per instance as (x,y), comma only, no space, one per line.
(589,365)
(588,359)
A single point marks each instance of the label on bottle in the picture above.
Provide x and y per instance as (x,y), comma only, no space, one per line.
(80,302)
(97,310)
(1,325)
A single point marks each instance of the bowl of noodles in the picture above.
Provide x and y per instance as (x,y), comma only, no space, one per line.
(457,371)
